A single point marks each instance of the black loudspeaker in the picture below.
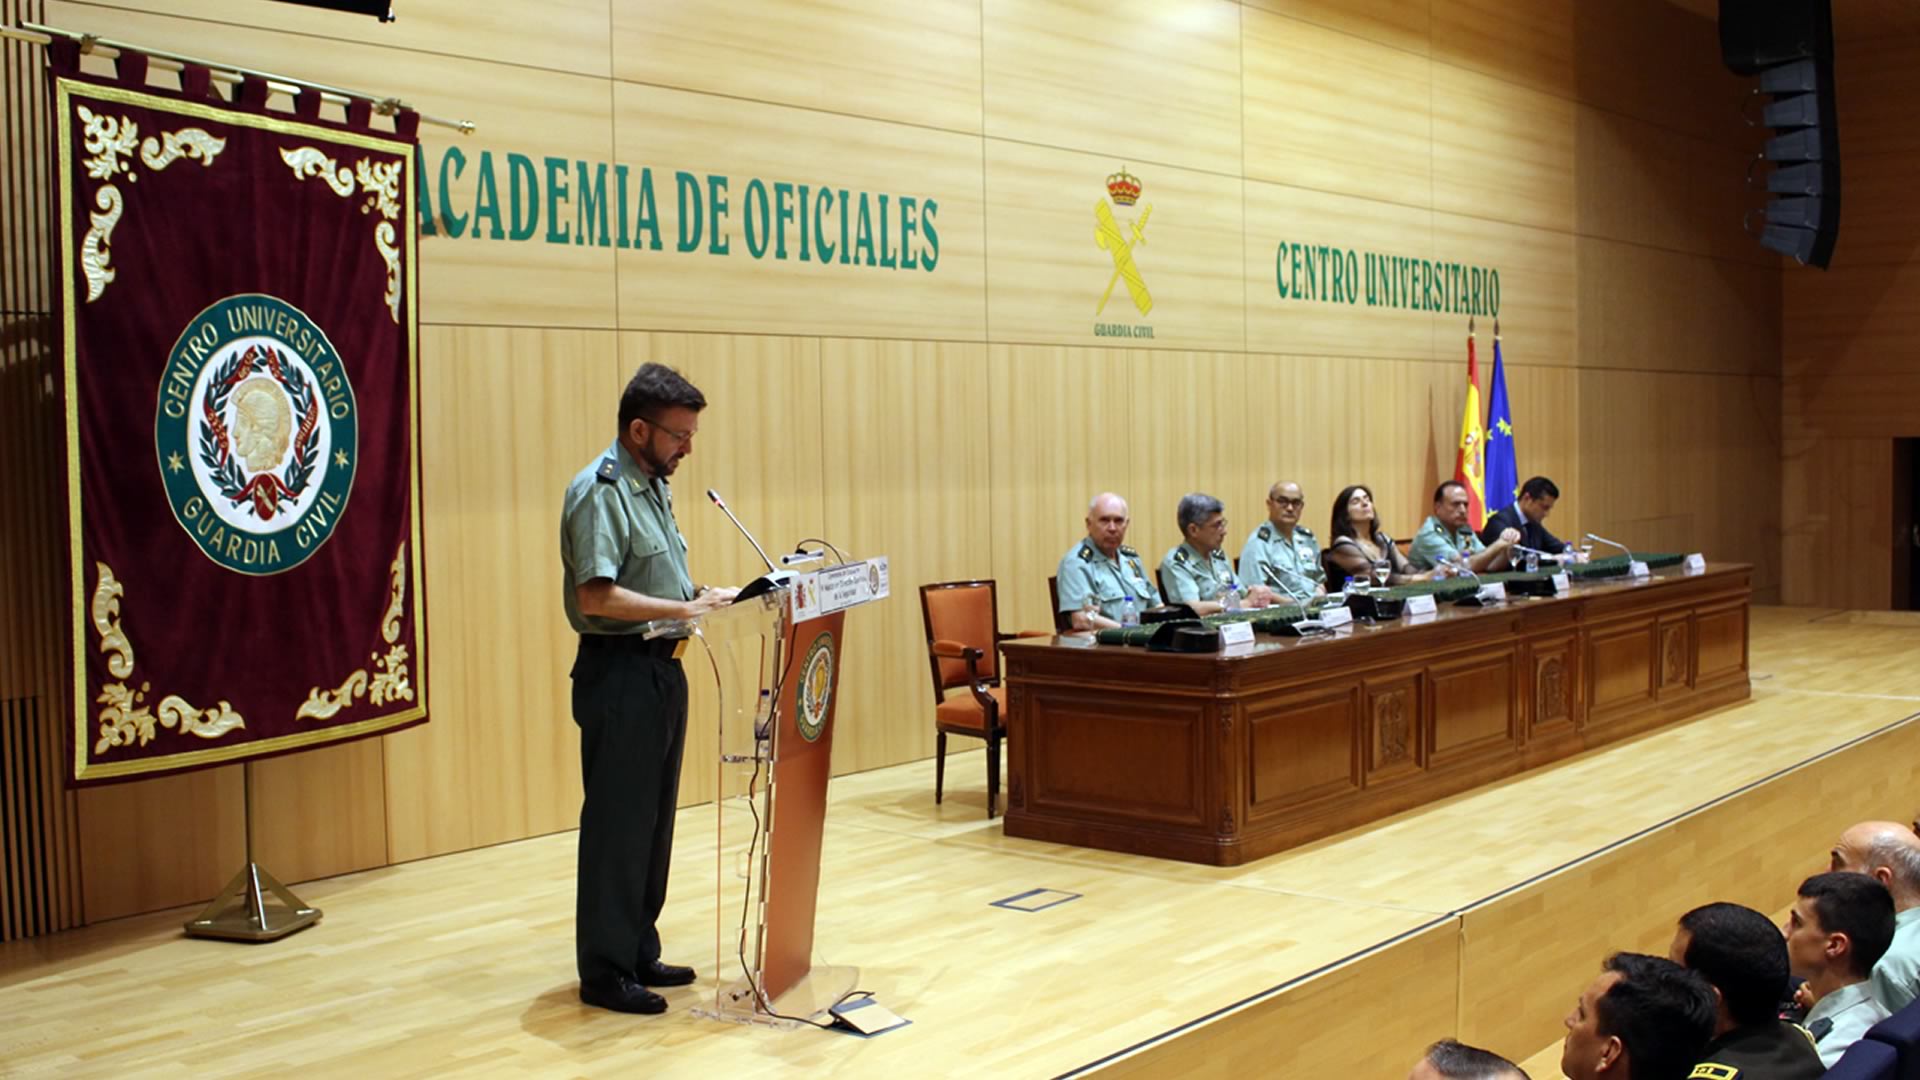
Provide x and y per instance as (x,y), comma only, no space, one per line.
(1787,45)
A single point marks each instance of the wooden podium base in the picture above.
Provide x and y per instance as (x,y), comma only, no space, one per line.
(823,987)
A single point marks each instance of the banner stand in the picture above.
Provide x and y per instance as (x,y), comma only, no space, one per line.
(240,911)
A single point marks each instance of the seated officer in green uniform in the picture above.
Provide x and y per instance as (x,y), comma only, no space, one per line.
(1741,953)
(1446,535)
(1097,574)
(1282,553)
(625,567)
(1197,572)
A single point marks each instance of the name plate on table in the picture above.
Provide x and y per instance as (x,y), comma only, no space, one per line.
(1236,633)
(1562,584)
(838,588)
(1636,568)
(1421,605)
(1331,617)
(1696,563)
(1492,594)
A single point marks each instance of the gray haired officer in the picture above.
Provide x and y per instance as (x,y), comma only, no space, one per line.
(1197,572)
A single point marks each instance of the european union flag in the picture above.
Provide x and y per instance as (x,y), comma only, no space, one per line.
(1503,470)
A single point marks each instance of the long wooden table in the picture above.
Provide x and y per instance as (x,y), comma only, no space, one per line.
(1225,757)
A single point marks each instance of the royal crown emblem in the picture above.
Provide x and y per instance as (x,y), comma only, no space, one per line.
(1123,187)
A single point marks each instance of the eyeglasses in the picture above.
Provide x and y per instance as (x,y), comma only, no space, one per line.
(678,436)
(1294,503)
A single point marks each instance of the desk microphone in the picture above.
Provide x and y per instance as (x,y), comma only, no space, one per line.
(1610,543)
(722,504)
(798,557)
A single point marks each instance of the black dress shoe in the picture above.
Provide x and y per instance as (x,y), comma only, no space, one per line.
(659,974)
(622,994)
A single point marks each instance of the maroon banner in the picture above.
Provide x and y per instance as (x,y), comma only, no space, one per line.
(240,327)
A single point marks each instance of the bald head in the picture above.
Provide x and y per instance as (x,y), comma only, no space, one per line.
(1886,851)
(1450,1060)
(1107,520)
(1284,502)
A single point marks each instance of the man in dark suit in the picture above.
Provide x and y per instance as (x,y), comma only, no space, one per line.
(1537,497)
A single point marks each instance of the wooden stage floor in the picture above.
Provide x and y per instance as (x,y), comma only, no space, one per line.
(1479,916)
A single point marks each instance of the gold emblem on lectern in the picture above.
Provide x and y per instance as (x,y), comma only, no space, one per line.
(815,692)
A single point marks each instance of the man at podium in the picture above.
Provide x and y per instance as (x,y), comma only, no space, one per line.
(625,566)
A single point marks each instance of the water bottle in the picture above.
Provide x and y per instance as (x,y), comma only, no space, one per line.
(1232,596)
(1129,612)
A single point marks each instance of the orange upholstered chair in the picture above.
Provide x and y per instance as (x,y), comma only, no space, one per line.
(963,650)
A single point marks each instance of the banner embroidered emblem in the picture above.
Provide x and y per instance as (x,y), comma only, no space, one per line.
(816,688)
(256,434)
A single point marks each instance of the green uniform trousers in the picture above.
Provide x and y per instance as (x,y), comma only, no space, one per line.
(630,700)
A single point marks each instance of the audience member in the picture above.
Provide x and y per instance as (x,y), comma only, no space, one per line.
(1451,1060)
(1644,1018)
(1743,957)
(1889,853)
(1839,928)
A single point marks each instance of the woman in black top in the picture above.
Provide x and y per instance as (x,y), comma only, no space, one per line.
(1359,544)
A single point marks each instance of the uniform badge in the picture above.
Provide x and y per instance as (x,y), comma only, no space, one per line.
(256,433)
(1708,1070)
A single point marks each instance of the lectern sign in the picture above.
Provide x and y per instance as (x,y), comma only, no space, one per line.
(838,588)
(239,324)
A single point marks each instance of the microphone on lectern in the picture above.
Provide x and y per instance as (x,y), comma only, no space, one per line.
(722,504)
(774,578)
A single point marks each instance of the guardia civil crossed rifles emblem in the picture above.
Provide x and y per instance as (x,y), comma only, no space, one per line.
(1122,246)
(240,319)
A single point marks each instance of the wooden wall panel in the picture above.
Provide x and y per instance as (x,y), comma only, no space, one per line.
(1045,281)
(1634,427)
(1057,438)
(1873,79)
(1655,310)
(909,63)
(1541,291)
(904,426)
(1532,45)
(565,35)
(1852,320)
(1189,430)
(1139,80)
(1501,150)
(672,130)
(1403,24)
(1838,545)
(1315,325)
(1333,112)
(1654,60)
(162,842)
(1648,185)
(475,279)
(517,413)
(1881,226)
(323,812)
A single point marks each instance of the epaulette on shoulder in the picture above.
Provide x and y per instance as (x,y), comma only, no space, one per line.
(1129,552)
(1086,552)
(1712,1070)
(1180,554)
(1303,531)
(608,472)
(1266,531)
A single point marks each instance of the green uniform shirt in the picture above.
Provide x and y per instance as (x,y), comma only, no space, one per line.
(1294,562)
(1896,978)
(1191,576)
(1435,544)
(1086,571)
(617,523)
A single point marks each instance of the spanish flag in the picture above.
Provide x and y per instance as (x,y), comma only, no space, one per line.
(1470,467)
